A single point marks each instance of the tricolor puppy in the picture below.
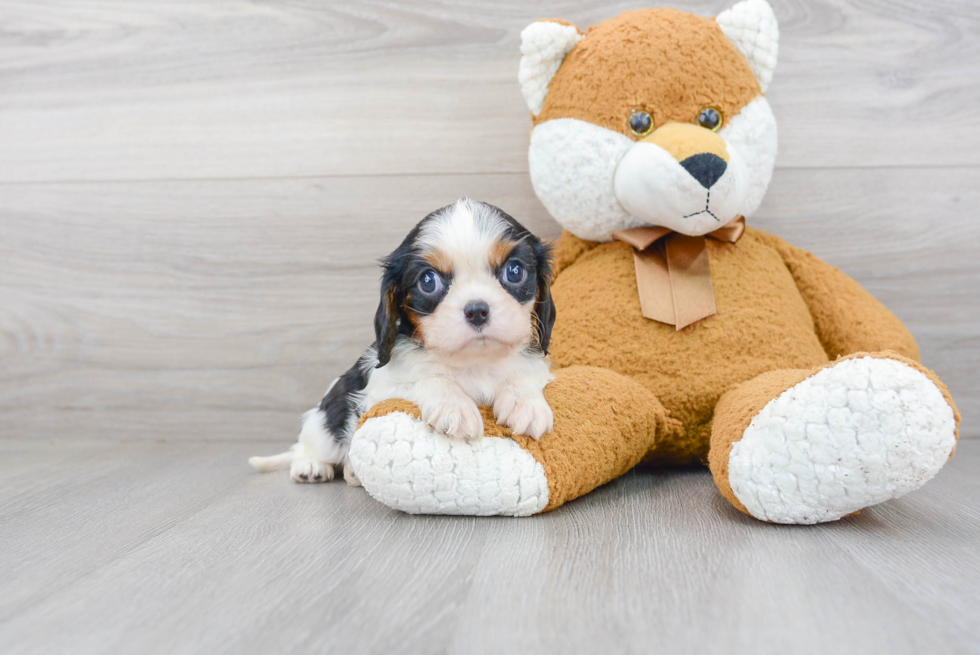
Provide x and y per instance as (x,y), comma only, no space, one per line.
(464,320)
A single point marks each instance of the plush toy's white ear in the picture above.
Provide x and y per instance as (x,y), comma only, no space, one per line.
(752,27)
(544,45)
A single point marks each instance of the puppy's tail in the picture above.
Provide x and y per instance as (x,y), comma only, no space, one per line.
(280,461)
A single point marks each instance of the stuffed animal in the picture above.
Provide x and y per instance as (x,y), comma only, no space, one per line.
(683,334)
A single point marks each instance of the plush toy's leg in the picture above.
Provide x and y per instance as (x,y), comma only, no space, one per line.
(796,446)
(604,424)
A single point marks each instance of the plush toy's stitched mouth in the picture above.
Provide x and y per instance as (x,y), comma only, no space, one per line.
(706,209)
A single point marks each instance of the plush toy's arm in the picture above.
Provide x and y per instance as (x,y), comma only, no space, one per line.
(604,423)
(568,248)
(847,318)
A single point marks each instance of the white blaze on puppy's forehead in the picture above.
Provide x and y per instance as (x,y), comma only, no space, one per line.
(466,233)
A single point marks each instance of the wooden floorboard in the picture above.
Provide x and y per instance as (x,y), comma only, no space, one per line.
(150,90)
(181,548)
(221,310)
(193,196)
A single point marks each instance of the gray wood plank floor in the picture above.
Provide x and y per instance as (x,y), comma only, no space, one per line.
(193,196)
(175,547)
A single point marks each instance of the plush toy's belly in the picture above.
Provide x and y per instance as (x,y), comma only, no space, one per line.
(762,324)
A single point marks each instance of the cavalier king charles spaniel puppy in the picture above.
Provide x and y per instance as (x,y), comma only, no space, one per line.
(464,320)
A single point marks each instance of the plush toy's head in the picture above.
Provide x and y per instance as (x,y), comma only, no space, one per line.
(656,117)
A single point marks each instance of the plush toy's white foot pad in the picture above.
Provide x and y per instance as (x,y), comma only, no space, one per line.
(402,463)
(854,434)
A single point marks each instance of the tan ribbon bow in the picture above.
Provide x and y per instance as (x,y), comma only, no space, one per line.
(673,274)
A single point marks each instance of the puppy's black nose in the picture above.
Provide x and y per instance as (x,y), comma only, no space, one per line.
(477,313)
(706,168)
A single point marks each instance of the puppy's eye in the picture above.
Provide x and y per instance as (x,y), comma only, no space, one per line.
(710,118)
(514,273)
(641,123)
(430,282)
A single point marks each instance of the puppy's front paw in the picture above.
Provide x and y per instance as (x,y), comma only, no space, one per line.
(456,416)
(523,413)
(310,470)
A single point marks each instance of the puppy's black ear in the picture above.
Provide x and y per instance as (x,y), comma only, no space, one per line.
(389,312)
(386,321)
(544,306)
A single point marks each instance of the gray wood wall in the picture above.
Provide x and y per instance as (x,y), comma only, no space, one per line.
(193,195)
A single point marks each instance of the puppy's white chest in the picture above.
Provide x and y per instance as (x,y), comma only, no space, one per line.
(480,384)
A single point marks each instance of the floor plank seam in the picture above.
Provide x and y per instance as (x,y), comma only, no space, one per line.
(427,174)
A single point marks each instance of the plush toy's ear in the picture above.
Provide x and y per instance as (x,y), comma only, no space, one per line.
(752,27)
(544,45)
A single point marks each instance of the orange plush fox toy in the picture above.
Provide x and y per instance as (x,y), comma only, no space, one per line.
(683,335)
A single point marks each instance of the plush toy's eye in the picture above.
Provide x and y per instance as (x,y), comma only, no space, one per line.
(710,118)
(430,282)
(514,273)
(641,123)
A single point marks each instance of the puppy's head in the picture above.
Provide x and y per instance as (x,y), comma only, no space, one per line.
(468,283)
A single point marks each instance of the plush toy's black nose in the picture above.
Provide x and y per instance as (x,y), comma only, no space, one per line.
(706,168)
(477,313)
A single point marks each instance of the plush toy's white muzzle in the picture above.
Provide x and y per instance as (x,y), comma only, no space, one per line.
(595,181)
(693,196)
